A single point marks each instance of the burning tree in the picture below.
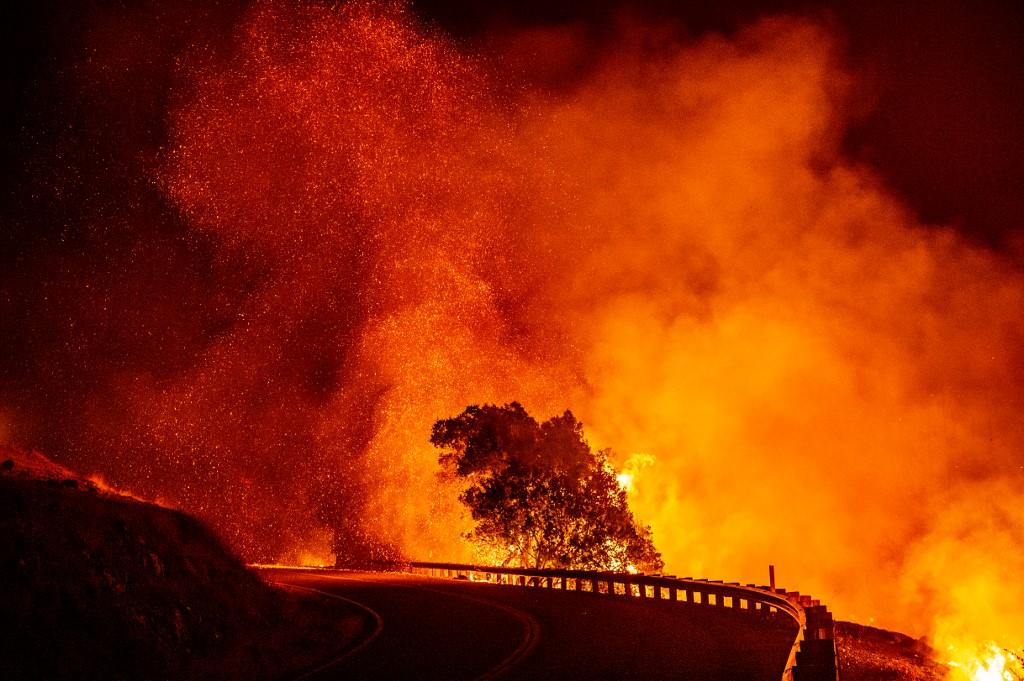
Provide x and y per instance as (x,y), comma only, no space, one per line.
(540,497)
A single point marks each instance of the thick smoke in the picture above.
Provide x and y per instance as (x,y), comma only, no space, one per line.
(823,383)
(365,166)
(674,247)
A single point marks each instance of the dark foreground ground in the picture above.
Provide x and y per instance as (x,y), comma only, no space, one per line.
(444,629)
(98,586)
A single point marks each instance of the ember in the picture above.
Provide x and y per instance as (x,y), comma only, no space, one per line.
(342,225)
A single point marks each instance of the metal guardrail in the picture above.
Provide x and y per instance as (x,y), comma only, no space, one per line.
(812,657)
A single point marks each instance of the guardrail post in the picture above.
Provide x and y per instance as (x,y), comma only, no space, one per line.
(815,661)
(812,656)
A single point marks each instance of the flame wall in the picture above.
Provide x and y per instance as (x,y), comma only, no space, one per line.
(674,247)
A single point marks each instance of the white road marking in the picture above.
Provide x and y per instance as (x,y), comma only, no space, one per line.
(531,628)
(377,628)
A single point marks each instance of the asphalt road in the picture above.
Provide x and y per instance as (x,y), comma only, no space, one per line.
(428,628)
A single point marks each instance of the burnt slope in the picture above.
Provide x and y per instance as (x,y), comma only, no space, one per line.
(872,654)
(100,586)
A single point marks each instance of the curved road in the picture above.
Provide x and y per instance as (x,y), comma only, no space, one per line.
(428,628)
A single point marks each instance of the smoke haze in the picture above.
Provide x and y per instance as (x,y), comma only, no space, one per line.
(382,226)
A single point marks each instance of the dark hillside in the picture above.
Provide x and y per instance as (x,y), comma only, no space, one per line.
(95,585)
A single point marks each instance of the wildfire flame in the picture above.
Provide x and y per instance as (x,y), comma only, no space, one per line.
(992,663)
(673,244)
(631,468)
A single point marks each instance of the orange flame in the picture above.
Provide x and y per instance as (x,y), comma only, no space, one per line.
(675,247)
(992,663)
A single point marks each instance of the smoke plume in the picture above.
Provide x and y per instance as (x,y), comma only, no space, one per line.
(671,243)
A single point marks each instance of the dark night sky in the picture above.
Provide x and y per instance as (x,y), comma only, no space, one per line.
(946,95)
(943,124)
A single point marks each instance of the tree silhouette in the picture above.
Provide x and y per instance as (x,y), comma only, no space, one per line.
(540,497)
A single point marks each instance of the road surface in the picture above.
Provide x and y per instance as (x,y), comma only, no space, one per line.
(429,628)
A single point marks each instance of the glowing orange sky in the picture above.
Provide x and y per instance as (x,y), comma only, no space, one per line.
(675,248)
